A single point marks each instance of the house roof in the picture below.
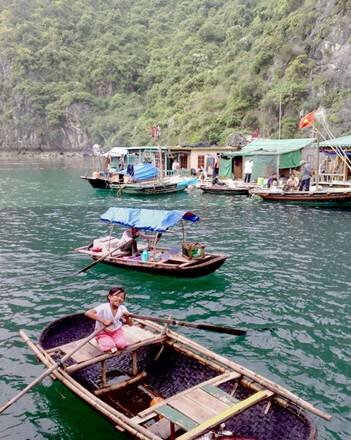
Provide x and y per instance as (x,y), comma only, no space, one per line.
(342,141)
(273,146)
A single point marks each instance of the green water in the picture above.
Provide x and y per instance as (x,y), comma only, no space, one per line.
(289,268)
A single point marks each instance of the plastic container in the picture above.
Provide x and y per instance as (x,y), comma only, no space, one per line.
(144,255)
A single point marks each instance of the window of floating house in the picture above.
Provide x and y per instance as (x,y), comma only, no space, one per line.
(183,161)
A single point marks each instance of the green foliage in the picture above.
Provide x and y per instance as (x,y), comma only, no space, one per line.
(199,68)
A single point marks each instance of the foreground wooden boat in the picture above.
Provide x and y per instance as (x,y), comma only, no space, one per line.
(161,261)
(335,198)
(166,386)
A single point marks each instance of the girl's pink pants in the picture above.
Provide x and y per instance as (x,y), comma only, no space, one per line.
(111,339)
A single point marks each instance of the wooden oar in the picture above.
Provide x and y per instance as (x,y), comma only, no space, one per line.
(49,371)
(92,264)
(202,326)
(97,261)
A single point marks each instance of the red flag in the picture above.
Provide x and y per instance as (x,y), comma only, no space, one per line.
(307,120)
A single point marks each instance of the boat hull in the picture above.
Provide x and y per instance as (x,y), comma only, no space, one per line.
(149,190)
(225,190)
(173,267)
(177,365)
(314,199)
(98,183)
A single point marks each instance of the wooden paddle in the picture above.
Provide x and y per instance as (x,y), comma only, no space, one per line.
(202,326)
(97,261)
(92,264)
(49,371)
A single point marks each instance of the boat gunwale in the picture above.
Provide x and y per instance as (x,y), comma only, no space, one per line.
(127,423)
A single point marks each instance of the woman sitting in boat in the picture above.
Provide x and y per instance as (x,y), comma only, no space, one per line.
(128,241)
(110,318)
(292,183)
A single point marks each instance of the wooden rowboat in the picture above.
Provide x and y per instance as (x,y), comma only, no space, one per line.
(164,385)
(161,261)
(176,265)
(336,198)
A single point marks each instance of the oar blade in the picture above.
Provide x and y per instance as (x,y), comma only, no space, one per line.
(221,329)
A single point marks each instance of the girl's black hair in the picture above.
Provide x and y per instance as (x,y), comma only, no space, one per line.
(116,290)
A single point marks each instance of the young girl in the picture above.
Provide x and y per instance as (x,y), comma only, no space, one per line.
(111,315)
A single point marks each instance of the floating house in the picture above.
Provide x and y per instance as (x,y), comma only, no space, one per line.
(268,156)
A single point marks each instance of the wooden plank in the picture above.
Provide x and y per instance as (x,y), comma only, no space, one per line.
(154,340)
(176,417)
(219,394)
(136,333)
(85,353)
(198,413)
(162,428)
(224,377)
(226,414)
(200,397)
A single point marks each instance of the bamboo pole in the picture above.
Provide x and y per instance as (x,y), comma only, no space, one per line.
(118,386)
(120,419)
(49,371)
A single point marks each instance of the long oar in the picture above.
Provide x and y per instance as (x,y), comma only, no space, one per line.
(202,326)
(92,264)
(48,372)
(97,261)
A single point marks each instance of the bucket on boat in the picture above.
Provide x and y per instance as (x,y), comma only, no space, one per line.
(144,255)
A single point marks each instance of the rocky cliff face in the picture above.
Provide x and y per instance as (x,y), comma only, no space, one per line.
(51,97)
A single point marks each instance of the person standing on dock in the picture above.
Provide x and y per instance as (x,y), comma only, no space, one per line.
(306,174)
(248,166)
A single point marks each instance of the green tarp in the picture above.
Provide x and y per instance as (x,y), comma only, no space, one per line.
(273,147)
(225,167)
(266,153)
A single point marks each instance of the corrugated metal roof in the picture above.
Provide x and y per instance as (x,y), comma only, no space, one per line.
(342,141)
(274,146)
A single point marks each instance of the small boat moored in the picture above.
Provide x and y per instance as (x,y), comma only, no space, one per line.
(188,260)
(166,386)
(226,189)
(165,185)
(330,198)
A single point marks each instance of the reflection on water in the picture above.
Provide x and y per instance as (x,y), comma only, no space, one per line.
(289,270)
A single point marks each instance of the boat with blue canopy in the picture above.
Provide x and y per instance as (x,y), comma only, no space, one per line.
(137,171)
(187,259)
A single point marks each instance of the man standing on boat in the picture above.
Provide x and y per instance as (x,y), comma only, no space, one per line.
(306,174)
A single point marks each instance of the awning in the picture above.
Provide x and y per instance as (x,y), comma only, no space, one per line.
(147,219)
(116,152)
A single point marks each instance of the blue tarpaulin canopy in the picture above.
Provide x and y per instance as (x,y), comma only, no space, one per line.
(158,220)
(142,171)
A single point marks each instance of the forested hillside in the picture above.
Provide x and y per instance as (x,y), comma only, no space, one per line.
(75,72)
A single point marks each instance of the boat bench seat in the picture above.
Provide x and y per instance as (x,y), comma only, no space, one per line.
(90,353)
(200,409)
